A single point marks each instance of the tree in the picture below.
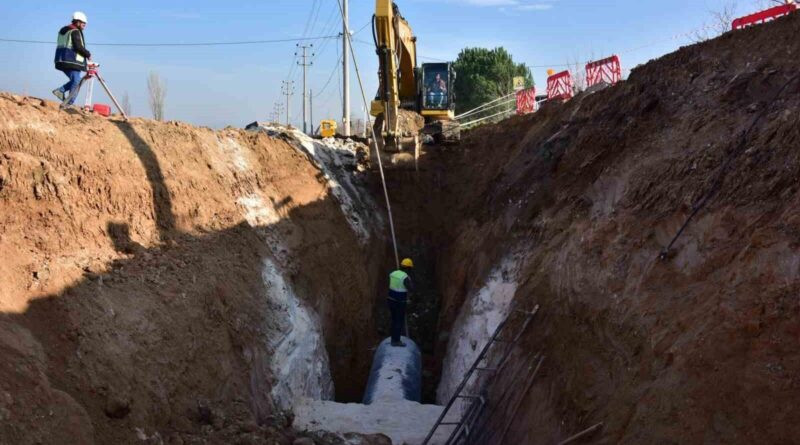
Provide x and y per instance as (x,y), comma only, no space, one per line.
(485,74)
(157,92)
(720,23)
(126,103)
(578,70)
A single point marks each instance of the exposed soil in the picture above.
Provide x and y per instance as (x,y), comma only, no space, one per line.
(700,347)
(133,263)
(133,293)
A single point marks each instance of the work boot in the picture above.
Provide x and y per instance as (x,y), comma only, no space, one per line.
(398,344)
(59,94)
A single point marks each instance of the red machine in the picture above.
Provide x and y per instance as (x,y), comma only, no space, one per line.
(608,70)
(559,86)
(764,16)
(526,100)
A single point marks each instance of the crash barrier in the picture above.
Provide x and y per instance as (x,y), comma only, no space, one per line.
(559,86)
(396,373)
(526,101)
(608,70)
(764,16)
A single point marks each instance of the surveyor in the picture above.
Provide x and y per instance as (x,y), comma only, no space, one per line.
(400,285)
(71,56)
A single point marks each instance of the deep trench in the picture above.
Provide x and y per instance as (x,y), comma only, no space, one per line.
(420,235)
(417,226)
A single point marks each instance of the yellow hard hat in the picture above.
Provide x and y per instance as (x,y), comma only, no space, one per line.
(407,263)
(550,72)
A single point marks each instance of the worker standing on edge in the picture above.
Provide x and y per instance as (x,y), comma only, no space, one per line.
(71,56)
(400,285)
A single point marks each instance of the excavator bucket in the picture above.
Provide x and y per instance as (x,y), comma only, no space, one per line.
(400,150)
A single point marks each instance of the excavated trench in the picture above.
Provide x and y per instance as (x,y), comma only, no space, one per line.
(571,209)
(185,285)
(419,236)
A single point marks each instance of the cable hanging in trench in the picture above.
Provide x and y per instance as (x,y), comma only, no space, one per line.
(716,184)
(372,132)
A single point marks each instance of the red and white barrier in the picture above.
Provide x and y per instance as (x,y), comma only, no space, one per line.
(559,86)
(764,16)
(526,101)
(608,70)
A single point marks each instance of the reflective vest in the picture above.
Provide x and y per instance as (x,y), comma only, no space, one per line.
(66,56)
(397,281)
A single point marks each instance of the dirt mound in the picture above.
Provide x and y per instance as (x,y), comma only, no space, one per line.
(165,282)
(583,197)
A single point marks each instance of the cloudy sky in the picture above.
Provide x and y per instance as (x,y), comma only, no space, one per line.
(237,84)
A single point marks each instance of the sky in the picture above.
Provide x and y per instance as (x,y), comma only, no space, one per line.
(234,85)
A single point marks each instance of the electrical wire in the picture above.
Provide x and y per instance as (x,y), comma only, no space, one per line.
(329,27)
(333,71)
(719,178)
(349,41)
(181,44)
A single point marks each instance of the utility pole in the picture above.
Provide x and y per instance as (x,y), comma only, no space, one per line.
(277,111)
(311,110)
(346,68)
(305,64)
(287,88)
(366,122)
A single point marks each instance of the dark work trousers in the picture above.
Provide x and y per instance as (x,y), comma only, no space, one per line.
(398,311)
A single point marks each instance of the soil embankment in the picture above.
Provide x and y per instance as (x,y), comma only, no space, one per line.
(164,282)
(570,208)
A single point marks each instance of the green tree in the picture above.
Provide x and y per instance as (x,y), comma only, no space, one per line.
(484,75)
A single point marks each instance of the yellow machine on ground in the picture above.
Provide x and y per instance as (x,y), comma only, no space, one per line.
(408,91)
(327,128)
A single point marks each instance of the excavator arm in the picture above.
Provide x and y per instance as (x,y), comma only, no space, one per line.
(396,47)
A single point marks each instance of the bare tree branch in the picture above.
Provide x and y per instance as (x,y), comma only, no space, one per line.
(157,92)
(719,23)
(126,103)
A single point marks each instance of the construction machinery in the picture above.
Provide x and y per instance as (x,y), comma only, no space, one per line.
(412,100)
(327,128)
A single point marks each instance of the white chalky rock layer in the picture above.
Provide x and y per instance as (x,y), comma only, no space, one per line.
(482,312)
(299,362)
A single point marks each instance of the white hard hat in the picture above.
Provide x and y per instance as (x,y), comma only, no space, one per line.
(79,16)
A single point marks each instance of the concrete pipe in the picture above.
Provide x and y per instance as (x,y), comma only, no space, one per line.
(396,373)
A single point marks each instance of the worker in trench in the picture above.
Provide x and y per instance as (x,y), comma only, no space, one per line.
(400,284)
(71,57)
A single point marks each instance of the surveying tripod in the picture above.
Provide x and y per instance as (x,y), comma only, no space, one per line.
(92,72)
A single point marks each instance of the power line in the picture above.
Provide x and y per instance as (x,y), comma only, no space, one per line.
(333,71)
(311,16)
(306,30)
(363,27)
(167,44)
(347,40)
(305,64)
(329,27)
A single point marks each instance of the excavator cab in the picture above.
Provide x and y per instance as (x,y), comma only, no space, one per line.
(436,87)
(437,101)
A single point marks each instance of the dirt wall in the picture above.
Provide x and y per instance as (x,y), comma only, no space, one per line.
(137,299)
(699,347)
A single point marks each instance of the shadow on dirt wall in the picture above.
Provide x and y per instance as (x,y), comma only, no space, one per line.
(175,336)
(162,202)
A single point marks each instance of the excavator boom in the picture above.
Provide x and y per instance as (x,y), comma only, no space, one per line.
(397,53)
(411,99)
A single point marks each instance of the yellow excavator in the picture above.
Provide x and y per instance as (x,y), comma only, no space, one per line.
(412,100)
